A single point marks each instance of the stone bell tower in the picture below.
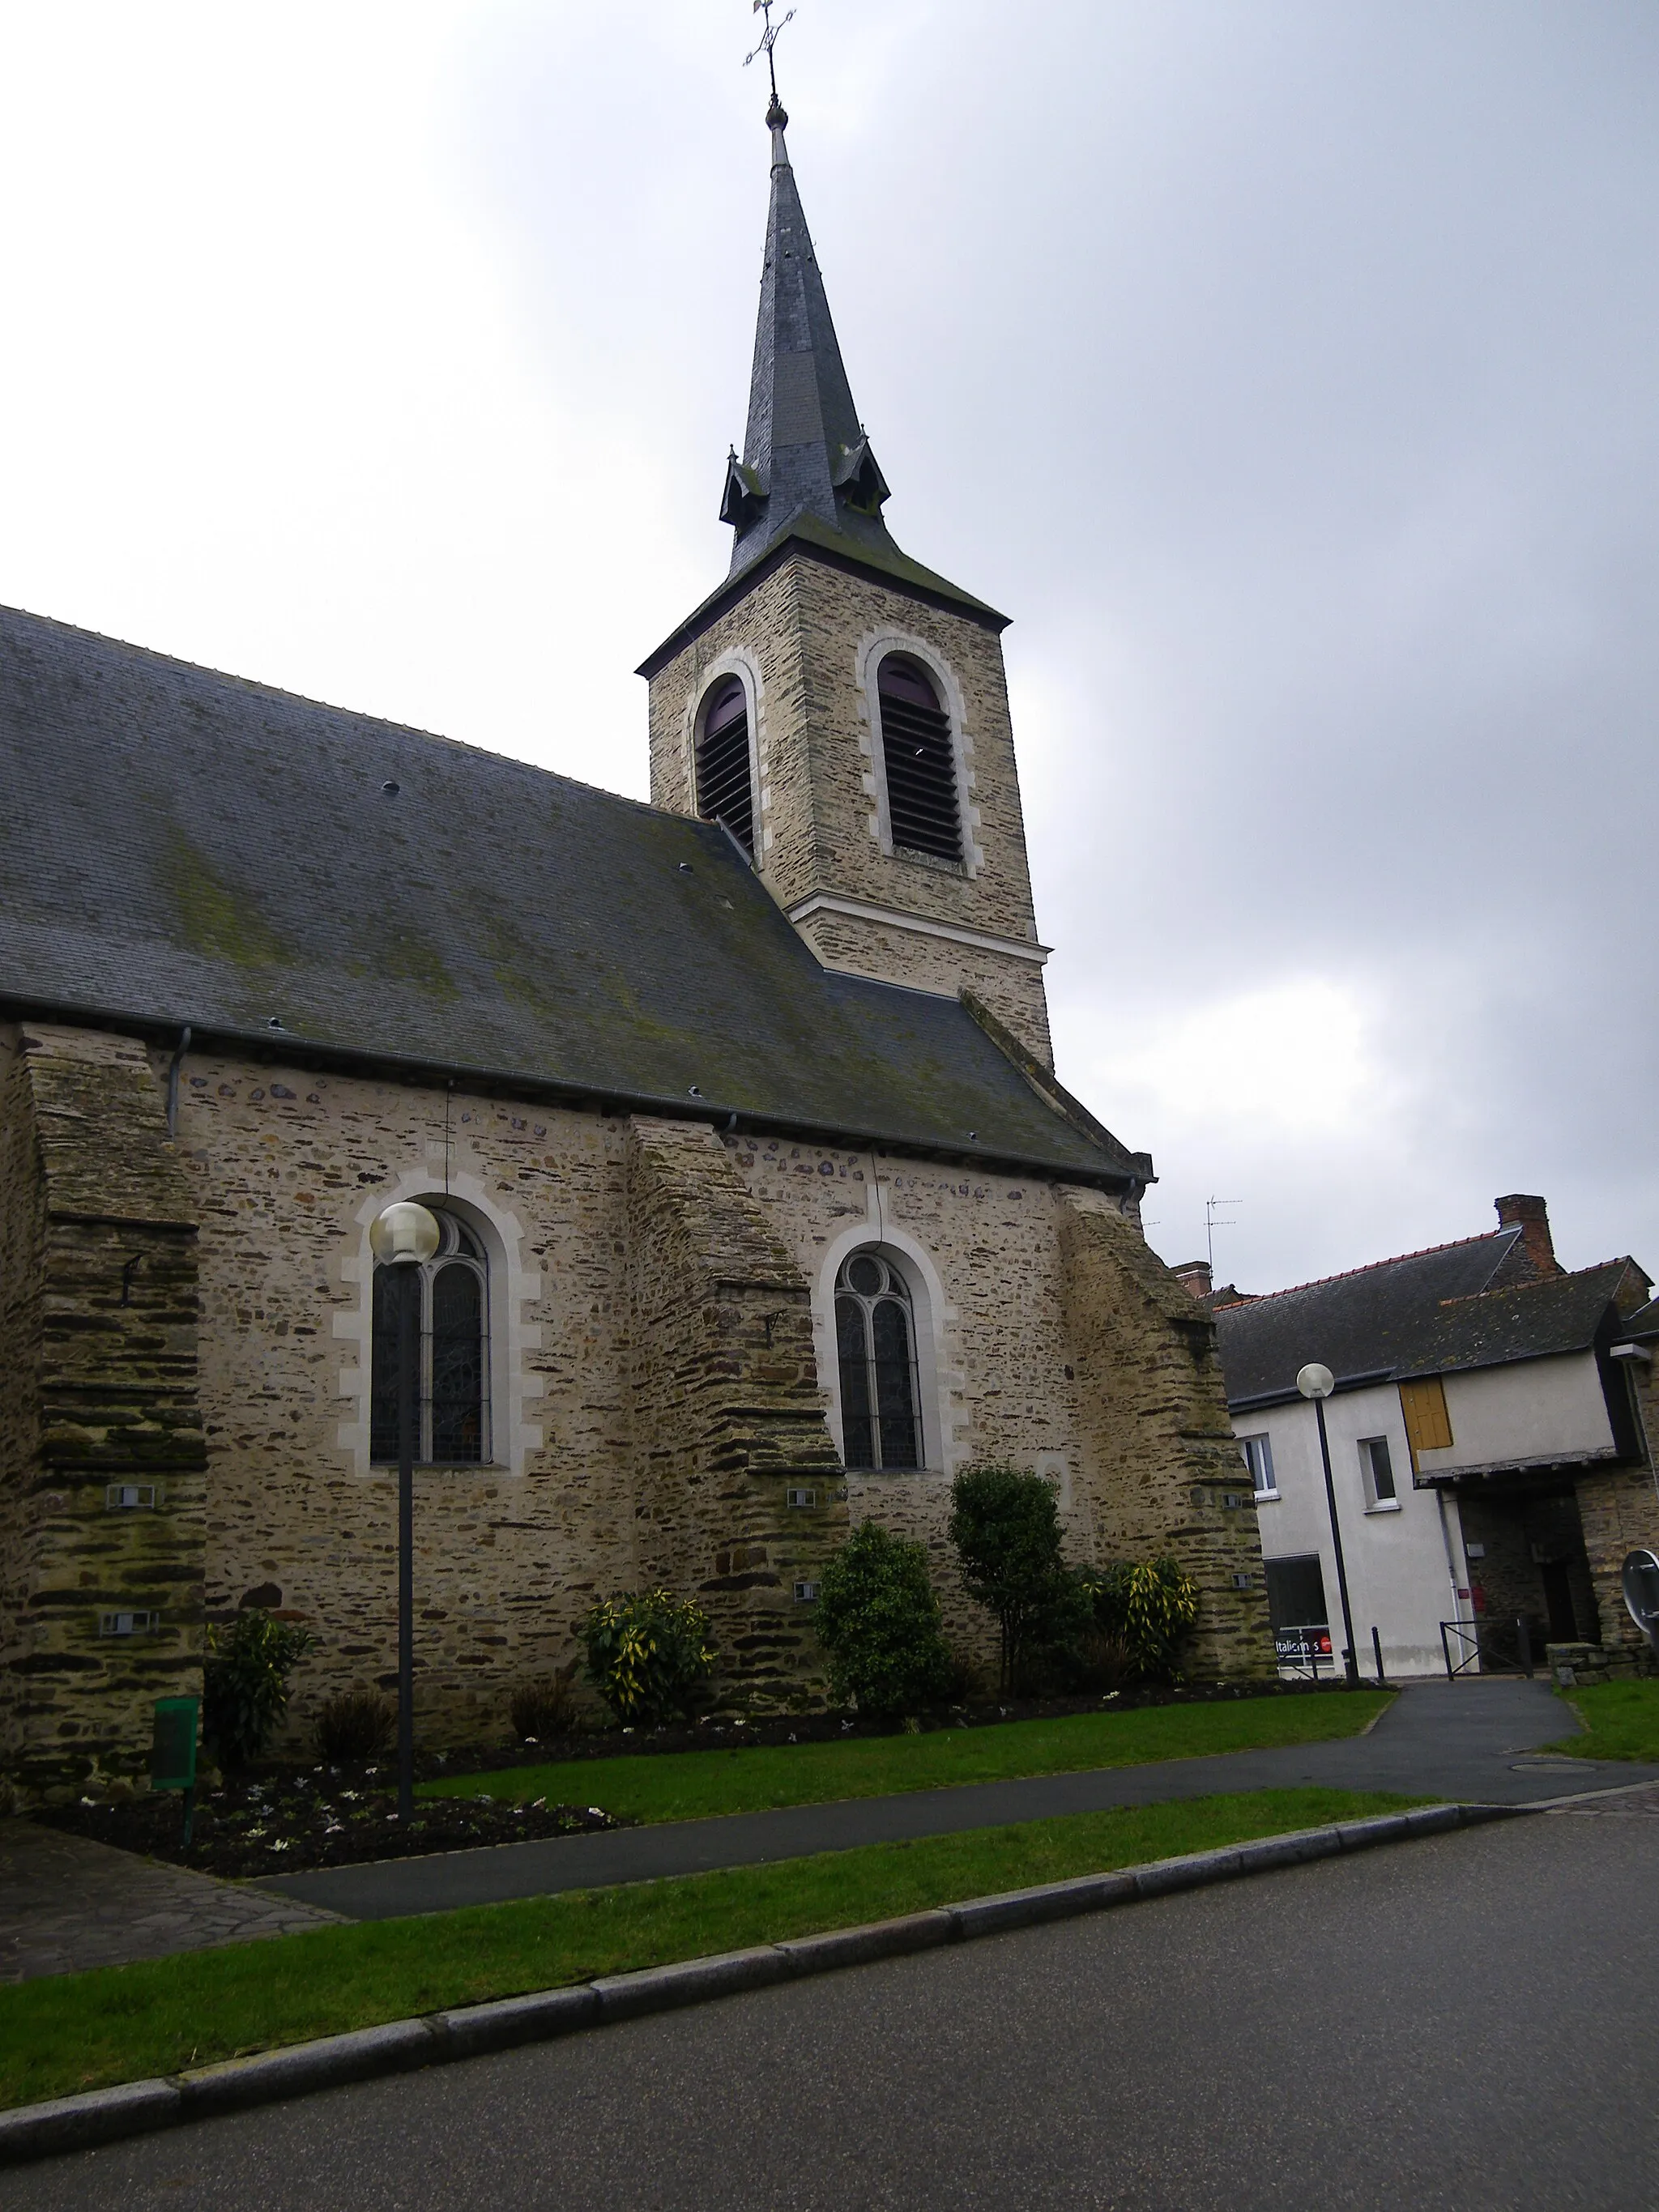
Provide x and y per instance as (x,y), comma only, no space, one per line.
(843,710)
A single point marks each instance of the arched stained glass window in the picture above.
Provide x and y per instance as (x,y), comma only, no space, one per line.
(876,1344)
(919,760)
(453,1427)
(724,788)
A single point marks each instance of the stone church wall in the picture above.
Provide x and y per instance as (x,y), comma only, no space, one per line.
(663,1298)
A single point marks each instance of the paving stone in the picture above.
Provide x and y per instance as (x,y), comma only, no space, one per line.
(67,1904)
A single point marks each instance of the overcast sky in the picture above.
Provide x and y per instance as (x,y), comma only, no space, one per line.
(1285,368)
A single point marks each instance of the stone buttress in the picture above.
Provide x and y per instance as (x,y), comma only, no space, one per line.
(102,1493)
(727,1415)
(1153,1409)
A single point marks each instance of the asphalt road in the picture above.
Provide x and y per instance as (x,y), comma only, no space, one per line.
(1462,1740)
(1466,2022)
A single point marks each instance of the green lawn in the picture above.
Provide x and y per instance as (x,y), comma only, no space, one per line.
(1622,1719)
(691,1784)
(72,2031)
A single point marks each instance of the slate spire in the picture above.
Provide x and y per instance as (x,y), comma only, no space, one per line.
(806,458)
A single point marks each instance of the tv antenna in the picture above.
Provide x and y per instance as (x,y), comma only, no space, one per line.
(769,39)
(1213,1219)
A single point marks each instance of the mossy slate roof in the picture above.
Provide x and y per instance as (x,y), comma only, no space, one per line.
(181,847)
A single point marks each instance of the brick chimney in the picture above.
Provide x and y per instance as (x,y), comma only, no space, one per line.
(1531,1216)
(1194,1276)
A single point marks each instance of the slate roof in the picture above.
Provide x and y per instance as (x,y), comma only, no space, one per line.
(808,480)
(181,847)
(1463,1305)
(1643,1325)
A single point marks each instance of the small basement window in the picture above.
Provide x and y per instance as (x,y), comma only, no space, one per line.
(919,760)
(724,787)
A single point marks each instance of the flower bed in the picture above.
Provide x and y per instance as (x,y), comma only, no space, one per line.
(283,1820)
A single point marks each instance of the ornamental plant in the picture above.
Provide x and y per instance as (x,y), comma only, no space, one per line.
(648,1656)
(1005,1527)
(1146,1607)
(878,1620)
(245,1682)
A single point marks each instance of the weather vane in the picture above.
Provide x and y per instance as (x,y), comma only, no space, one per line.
(769,39)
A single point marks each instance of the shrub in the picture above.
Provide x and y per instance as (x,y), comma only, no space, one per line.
(545,1707)
(878,1620)
(354,1725)
(1006,1528)
(245,1682)
(648,1656)
(1146,1607)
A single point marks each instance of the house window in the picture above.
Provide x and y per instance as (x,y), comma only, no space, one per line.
(919,760)
(876,1349)
(1376,1470)
(1297,1611)
(1258,1457)
(453,1369)
(724,787)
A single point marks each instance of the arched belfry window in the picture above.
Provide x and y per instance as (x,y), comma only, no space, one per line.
(724,790)
(876,1345)
(919,759)
(455,1353)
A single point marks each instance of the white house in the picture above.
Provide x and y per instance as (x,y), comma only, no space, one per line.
(1487,1460)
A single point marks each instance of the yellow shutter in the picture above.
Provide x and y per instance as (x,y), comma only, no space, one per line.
(1428,1425)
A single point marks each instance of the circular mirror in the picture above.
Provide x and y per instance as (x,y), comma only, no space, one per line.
(1641,1580)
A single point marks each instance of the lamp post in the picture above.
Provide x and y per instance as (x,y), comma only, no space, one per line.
(404,1238)
(1318,1383)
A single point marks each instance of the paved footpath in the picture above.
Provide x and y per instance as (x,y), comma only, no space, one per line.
(1472,1740)
(67,1904)
(1465,2024)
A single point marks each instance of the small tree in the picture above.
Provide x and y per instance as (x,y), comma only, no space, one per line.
(245,1682)
(1146,1607)
(648,1655)
(878,1618)
(1006,1528)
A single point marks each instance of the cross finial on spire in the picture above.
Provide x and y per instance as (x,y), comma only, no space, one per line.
(776,117)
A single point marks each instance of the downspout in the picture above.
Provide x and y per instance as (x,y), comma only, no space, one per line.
(173,1067)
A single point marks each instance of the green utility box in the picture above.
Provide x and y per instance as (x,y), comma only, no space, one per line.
(173,1751)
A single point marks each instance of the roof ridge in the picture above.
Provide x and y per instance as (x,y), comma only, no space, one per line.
(1346,1275)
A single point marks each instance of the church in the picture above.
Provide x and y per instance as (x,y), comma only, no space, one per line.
(764,1211)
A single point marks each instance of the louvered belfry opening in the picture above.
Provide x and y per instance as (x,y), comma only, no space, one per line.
(725,792)
(921,762)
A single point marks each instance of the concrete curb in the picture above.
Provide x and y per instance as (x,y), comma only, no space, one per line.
(105,2116)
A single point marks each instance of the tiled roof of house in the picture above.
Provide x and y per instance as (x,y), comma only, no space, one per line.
(181,847)
(1475,1303)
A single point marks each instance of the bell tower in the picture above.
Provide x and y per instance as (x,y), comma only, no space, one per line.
(843,710)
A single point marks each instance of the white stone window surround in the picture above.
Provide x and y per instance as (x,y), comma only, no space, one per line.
(740,661)
(515,1291)
(930,1313)
(871,650)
